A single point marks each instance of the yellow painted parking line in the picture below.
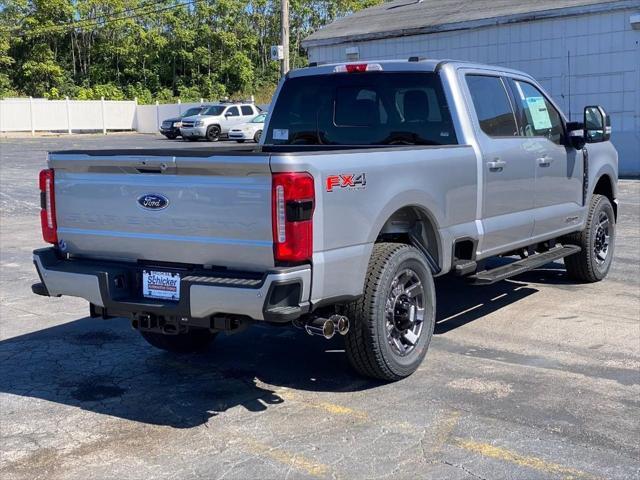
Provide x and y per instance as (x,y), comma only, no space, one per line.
(331,408)
(535,463)
(433,441)
(292,460)
(443,429)
(341,410)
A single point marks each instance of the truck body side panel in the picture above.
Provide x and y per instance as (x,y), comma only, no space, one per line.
(438,181)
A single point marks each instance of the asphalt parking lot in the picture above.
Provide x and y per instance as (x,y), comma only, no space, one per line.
(533,378)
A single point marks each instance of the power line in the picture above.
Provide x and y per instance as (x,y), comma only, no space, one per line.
(106,20)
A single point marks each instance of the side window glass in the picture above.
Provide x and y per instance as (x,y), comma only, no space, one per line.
(233,112)
(492,105)
(539,117)
(246,110)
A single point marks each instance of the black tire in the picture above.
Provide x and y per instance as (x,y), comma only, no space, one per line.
(213,133)
(171,136)
(588,265)
(256,137)
(195,340)
(369,349)
(240,141)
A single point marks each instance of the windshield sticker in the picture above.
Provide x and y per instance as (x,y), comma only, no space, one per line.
(281,134)
(539,113)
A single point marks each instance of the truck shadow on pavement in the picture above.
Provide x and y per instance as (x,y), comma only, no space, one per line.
(105,367)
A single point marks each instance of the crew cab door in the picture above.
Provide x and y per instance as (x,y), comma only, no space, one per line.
(508,176)
(558,166)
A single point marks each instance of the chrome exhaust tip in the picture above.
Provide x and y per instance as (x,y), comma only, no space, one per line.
(341,323)
(321,326)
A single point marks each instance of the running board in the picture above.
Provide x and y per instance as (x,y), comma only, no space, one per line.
(494,275)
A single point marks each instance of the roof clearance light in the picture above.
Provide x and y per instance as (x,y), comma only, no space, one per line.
(358,68)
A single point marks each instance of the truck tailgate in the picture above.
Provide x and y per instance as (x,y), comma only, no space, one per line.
(214,209)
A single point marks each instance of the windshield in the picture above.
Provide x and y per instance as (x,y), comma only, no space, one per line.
(260,118)
(192,111)
(214,110)
(362,109)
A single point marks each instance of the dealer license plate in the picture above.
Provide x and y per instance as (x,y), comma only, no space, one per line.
(162,285)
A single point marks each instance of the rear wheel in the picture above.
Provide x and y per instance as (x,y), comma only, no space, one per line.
(213,133)
(256,137)
(394,319)
(597,240)
(195,340)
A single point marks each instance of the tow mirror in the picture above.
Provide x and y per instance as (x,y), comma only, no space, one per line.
(597,124)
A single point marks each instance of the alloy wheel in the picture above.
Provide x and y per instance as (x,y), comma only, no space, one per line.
(404,312)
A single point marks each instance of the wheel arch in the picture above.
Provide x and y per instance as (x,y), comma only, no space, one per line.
(604,185)
(414,225)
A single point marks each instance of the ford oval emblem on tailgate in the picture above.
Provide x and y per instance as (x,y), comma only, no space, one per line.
(153,201)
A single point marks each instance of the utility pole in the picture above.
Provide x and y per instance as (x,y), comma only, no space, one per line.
(284,36)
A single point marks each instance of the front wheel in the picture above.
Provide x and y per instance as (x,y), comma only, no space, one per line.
(597,241)
(394,319)
(213,133)
(171,136)
(240,141)
(195,340)
(256,137)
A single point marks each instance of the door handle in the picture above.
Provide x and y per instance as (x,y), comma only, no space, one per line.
(496,165)
(544,161)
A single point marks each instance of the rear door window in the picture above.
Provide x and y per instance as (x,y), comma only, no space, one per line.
(247,110)
(493,107)
(373,108)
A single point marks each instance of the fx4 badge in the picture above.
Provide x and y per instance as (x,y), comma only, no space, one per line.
(350,181)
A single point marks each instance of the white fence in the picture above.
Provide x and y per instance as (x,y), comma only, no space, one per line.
(41,115)
(34,115)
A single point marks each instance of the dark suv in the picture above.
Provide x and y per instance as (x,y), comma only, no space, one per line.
(170,127)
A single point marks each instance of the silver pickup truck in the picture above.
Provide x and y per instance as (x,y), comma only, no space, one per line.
(371,179)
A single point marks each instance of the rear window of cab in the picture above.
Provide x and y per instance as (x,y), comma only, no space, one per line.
(371,108)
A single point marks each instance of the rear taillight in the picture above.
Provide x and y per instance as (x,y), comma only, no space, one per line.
(48,207)
(292,207)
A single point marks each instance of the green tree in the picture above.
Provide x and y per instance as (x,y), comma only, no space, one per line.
(40,72)
(152,49)
(6,62)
